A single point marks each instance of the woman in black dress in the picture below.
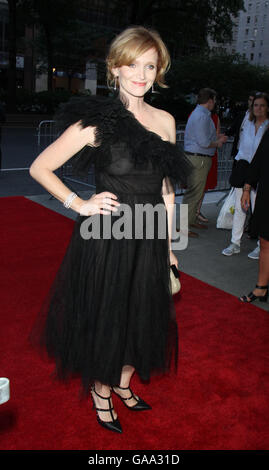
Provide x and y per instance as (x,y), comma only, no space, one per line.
(110,311)
(258,175)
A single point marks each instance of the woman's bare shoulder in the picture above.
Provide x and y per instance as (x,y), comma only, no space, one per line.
(166,121)
(161,114)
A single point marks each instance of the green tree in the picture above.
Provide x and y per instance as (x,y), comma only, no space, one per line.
(64,40)
(51,17)
(75,43)
(184,24)
(230,75)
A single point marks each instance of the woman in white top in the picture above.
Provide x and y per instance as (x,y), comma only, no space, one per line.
(250,138)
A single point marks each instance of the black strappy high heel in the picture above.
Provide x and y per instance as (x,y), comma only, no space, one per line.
(141,405)
(113,425)
(252,297)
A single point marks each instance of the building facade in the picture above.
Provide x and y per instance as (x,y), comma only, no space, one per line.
(96,15)
(250,33)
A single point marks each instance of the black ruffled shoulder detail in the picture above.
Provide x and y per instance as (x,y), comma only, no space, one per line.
(168,157)
(114,123)
(147,145)
(99,112)
(96,111)
(175,166)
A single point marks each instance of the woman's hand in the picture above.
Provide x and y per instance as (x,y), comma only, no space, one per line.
(245,200)
(101,203)
(173,259)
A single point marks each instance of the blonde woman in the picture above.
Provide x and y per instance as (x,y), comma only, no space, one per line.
(110,311)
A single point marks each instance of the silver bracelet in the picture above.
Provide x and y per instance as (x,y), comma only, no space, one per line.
(67,203)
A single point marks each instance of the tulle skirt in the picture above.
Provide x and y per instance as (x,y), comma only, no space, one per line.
(109,306)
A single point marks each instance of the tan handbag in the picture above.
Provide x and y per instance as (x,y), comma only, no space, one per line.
(175,285)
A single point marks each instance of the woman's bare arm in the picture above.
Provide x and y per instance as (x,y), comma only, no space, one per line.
(169,197)
(58,153)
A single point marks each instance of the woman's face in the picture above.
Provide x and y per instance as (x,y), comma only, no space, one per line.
(138,77)
(260,108)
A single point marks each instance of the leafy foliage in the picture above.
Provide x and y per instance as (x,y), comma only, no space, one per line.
(230,75)
(184,24)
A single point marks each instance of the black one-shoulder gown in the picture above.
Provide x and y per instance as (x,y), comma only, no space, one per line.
(110,303)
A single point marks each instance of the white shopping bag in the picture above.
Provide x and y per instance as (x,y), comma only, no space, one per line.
(226,214)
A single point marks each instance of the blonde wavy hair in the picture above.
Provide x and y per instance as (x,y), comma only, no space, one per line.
(132,43)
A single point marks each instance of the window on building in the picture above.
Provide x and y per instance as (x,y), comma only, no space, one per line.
(251,56)
(266,4)
(246,32)
(252,43)
(260,55)
(261,43)
(249,6)
(255,31)
(248,19)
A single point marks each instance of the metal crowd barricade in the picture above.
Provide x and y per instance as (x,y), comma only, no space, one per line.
(47,133)
(225,164)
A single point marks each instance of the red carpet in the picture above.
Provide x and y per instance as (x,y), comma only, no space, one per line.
(218,400)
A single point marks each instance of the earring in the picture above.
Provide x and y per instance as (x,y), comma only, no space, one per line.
(152,89)
(115,83)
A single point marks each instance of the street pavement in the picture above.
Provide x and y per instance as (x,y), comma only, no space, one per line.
(19,147)
(202,258)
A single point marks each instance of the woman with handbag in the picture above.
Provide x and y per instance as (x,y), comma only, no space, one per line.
(110,311)
(258,175)
(250,138)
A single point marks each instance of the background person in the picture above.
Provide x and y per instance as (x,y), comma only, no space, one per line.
(200,143)
(212,178)
(258,175)
(235,130)
(237,126)
(252,133)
